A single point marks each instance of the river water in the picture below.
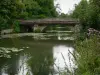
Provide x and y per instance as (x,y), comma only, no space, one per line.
(31,55)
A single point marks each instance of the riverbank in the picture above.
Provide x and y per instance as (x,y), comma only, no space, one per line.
(88,60)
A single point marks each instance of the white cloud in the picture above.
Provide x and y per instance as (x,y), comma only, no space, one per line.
(67,5)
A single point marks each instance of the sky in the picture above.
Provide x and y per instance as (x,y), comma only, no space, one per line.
(66,5)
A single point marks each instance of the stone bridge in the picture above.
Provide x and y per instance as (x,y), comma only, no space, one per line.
(31,25)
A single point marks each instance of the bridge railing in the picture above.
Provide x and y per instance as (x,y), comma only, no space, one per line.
(55,19)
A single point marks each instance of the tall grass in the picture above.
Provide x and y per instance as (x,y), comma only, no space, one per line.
(88,60)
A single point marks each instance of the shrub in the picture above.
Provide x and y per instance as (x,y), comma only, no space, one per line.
(16,26)
(88,60)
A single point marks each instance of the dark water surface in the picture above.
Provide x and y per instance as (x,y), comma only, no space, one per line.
(27,56)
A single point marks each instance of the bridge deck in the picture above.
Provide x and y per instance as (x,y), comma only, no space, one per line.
(49,21)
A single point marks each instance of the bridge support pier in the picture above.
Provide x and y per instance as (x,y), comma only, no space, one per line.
(38,28)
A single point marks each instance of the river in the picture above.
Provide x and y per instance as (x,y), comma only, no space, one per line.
(37,55)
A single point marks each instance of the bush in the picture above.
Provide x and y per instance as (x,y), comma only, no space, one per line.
(88,60)
(16,26)
(24,15)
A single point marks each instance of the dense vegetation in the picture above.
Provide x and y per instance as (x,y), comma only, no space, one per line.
(11,10)
(88,58)
(88,12)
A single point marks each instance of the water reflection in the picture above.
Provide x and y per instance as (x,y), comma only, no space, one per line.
(38,53)
(24,69)
(10,66)
(64,60)
(38,58)
(41,60)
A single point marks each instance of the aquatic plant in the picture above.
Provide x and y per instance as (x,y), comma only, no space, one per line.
(6,52)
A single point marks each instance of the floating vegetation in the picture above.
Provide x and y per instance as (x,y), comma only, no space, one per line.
(6,52)
(66,35)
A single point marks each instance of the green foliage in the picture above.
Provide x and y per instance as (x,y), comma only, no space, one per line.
(88,57)
(62,15)
(81,12)
(94,13)
(10,10)
(40,63)
(3,23)
(16,26)
(88,12)
(47,8)
(81,36)
(24,15)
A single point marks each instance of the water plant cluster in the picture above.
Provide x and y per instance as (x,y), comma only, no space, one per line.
(6,52)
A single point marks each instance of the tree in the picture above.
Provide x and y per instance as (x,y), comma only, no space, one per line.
(94,13)
(10,10)
(81,12)
(88,13)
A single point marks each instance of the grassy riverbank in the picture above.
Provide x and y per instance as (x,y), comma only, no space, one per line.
(88,58)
